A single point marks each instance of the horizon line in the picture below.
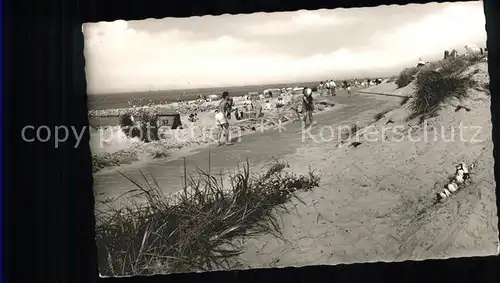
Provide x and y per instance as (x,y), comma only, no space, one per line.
(224,86)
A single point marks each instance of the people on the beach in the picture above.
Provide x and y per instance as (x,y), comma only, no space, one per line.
(330,86)
(221,118)
(321,86)
(193,117)
(297,111)
(269,106)
(307,106)
(446,54)
(238,114)
(257,108)
(347,86)
(280,103)
(230,104)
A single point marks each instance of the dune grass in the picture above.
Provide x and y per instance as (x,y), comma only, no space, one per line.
(377,117)
(392,79)
(404,100)
(146,128)
(437,83)
(406,77)
(486,87)
(198,228)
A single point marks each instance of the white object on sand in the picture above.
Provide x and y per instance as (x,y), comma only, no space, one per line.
(459,179)
(472,49)
(420,62)
(447,193)
(452,187)
(442,196)
(464,167)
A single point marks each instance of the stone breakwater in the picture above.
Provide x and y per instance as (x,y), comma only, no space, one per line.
(181,108)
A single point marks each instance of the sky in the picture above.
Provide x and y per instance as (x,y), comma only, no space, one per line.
(266,48)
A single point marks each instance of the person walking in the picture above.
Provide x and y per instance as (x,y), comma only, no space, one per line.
(331,87)
(221,118)
(307,106)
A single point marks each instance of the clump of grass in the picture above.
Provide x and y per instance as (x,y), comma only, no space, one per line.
(392,79)
(475,58)
(197,230)
(346,134)
(404,100)
(145,127)
(406,77)
(381,115)
(434,86)
(106,159)
(101,161)
(486,87)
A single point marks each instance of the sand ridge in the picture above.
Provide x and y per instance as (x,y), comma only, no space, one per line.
(376,202)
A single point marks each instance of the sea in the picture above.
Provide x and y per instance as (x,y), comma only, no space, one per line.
(120,100)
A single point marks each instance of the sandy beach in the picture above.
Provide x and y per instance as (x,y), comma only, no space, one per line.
(396,166)
(376,202)
(112,149)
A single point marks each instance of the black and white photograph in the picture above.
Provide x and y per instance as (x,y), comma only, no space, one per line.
(289,139)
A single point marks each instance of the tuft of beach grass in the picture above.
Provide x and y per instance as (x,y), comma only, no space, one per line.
(197,229)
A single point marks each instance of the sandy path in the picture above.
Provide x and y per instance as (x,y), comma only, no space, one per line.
(376,202)
(258,148)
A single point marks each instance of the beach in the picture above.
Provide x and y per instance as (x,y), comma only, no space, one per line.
(111,148)
(376,201)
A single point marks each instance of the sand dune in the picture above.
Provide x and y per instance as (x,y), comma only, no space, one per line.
(377,201)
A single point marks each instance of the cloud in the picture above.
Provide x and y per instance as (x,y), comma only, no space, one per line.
(451,27)
(118,57)
(301,21)
(121,58)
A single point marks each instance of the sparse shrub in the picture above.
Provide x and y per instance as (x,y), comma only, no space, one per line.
(475,58)
(196,230)
(404,100)
(346,134)
(406,77)
(381,115)
(145,127)
(434,86)
(486,87)
(392,79)
(102,160)
(451,66)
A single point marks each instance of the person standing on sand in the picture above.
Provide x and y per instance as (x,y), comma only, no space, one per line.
(333,86)
(230,104)
(257,109)
(221,118)
(307,106)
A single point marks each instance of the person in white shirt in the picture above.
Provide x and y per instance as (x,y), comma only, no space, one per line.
(331,87)
(268,105)
(221,118)
(307,106)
